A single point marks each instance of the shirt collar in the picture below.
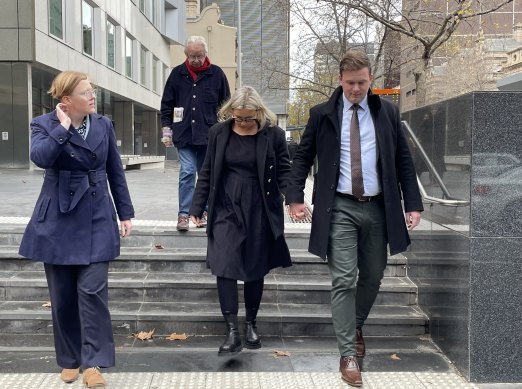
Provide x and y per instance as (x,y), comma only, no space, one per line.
(347,105)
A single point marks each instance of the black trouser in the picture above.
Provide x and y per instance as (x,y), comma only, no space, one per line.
(228,295)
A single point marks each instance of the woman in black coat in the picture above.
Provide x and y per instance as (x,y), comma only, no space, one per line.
(243,176)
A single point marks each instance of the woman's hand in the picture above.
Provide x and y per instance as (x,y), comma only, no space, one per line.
(125,228)
(63,117)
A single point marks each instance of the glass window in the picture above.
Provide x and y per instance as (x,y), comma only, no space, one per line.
(155,64)
(110,44)
(143,65)
(142,6)
(128,56)
(55,18)
(87,16)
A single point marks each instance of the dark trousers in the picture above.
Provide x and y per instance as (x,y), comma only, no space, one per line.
(228,296)
(357,257)
(81,319)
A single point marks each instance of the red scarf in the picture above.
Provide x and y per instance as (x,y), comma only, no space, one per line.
(194,72)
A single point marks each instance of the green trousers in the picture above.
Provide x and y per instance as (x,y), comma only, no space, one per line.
(357,257)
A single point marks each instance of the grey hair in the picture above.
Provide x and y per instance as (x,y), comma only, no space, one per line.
(198,40)
(247,97)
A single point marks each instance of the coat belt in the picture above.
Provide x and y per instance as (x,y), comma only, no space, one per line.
(68,197)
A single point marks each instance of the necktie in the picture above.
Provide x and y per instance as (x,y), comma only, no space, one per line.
(83,128)
(355,154)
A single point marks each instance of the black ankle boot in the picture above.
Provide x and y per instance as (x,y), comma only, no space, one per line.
(232,344)
(252,340)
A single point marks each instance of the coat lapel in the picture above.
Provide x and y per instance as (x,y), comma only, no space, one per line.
(75,138)
(261,150)
(332,111)
(221,144)
(97,131)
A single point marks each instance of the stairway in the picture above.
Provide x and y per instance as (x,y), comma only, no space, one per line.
(161,282)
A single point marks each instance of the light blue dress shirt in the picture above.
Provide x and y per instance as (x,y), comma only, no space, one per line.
(371,182)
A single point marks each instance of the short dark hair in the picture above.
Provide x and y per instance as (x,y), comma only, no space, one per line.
(355,60)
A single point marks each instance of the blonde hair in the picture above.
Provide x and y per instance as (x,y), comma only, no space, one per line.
(355,60)
(246,97)
(65,83)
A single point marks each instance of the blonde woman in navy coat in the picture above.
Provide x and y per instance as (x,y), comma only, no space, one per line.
(73,229)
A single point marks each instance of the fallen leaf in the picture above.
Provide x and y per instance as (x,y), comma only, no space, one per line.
(175,336)
(144,335)
(159,246)
(278,353)
(395,357)
(47,304)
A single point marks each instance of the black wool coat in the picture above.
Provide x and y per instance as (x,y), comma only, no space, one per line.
(273,167)
(322,138)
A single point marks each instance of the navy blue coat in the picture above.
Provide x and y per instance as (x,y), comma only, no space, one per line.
(322,139)
(200,99)
(74,220)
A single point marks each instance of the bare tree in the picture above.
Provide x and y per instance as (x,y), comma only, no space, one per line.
(427,24)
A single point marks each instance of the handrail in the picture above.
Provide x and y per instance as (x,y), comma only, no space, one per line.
(449,201)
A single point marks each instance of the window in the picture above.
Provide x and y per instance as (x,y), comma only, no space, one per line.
(155,64)
(128,56)
(87,16)
(142,6)
(110,44)
(143,65)
(56,18)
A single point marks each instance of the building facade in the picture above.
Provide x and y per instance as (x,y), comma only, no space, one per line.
(123,45)
(496,29)
(263,41)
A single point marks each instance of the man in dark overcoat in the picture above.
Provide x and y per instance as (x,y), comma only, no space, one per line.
(364,165)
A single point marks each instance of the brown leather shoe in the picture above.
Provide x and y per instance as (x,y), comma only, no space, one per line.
(183,223)
(350,371)
(69,375)
(92,378)
(360,348)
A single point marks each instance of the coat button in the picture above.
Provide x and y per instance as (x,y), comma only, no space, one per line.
(195,84)
(271,166)
(268,193)
(334,164)
(93,193)
(72,155)
(327,210)
(193,108)
(269,180)
(193,121)
(194,96)
(71,193)
(93,155)
(60,139)
(332,186)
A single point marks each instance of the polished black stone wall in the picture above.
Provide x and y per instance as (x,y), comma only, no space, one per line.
(468,265)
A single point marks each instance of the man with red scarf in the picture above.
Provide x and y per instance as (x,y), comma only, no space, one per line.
(193,94)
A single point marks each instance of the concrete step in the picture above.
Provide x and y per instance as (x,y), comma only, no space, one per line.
(18,317)
(201,287)
(191,260)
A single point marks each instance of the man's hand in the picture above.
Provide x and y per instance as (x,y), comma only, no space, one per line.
(412,219)
(298,211)
(196,220)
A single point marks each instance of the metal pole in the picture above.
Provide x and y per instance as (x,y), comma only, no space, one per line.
(239,50)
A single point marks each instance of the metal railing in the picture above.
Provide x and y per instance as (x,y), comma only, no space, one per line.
(448,199)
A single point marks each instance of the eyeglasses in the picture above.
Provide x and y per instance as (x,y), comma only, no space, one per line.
(244,120)
(88,93)
(196,57)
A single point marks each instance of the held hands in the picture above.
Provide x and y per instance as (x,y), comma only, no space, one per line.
(125,228)
(298,211)
(63,117)
(412,219)
(196,220)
